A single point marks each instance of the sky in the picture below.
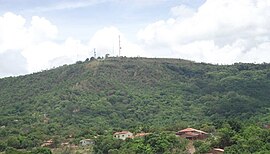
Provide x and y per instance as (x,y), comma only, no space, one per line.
(40,35)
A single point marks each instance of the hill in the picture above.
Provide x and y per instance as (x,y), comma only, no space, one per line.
(97,96)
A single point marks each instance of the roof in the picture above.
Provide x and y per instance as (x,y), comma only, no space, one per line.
(46,144)
(218,149)
(65,143)
(191,134)
(141,134)
(267,126)
(86,140)
(130,137)
(123,132)
(49,141)
(191,130)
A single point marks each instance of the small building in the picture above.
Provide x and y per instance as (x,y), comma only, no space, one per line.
(87,142)
(217,151)
(107,56)
(266,126)
(65,144)
(141,134)
(192,134)
(47,143)
(123,135)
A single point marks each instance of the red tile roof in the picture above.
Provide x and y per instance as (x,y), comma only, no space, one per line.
(141,134)
(123,132)
(47,143)
(191,134)
(191,130)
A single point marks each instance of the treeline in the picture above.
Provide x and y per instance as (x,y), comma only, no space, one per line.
(236,137)
(233,136)
(161,142)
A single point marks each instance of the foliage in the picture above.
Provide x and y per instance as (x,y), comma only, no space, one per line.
(41,151)
(3,146)
(249,139)
(252,139)
(201,147)
(100,96)
(152,143)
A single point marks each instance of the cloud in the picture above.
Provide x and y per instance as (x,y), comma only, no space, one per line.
(12,63)
(42,29)
(48,54)
(65,4)
(106,40)
(218,31)
(32,46)
(12,30)
(182,11)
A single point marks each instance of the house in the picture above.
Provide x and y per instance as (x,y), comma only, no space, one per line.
(65,144)
(192,134)
(217,151)
(47,143)
(73,146)
(123,135)
(107,56)
(266,126)
(86,142)
(141,134)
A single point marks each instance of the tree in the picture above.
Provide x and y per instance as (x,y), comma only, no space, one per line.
(3,146)
(11,150)
(202,147)
(13,142)
(41,151)
(225,136)
(92,58)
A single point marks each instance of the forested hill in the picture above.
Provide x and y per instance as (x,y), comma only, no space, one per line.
(129,93)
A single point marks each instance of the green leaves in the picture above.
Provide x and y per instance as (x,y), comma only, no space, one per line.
(93,98)
(149,144)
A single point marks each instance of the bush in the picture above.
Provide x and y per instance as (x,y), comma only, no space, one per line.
(41,151)
(3,146)
(11,150)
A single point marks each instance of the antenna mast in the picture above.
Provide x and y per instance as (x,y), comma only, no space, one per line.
(119,46)
(95,54)
(113,48)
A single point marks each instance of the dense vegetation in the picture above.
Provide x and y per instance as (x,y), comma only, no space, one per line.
(152,143)
(99,97)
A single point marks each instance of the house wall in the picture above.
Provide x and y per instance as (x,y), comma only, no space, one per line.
(217,152)
(198,136)
(123,136)
(84,143)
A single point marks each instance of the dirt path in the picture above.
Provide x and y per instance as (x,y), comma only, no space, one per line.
(190,147)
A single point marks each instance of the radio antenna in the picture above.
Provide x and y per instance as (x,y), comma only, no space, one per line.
(119,46)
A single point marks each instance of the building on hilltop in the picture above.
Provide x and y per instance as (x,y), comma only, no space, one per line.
(123,135)
(192,134)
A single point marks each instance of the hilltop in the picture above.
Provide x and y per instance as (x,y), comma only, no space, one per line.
(99,96)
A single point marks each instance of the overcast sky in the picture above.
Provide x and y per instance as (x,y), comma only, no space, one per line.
(40,34)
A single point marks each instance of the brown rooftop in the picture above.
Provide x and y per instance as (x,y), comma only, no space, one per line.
(191,130)
(123,132)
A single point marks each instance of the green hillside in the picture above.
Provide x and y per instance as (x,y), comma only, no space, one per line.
(100,96)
